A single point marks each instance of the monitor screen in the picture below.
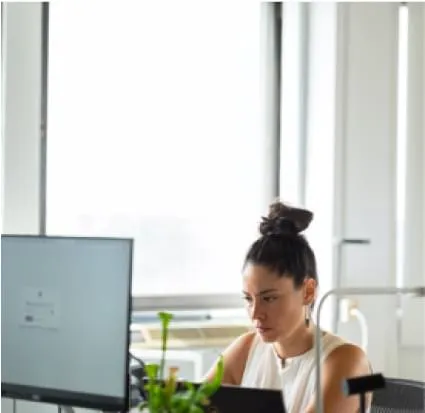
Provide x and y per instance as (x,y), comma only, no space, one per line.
(65,310)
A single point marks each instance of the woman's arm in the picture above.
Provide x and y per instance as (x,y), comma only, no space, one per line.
(234,360)
(344,362)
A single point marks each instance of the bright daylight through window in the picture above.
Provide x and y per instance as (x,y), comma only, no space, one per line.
(153,133)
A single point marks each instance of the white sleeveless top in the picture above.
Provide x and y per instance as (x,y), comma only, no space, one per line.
(296,378)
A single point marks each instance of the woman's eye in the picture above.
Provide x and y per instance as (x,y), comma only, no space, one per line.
(248,299)
(269,299)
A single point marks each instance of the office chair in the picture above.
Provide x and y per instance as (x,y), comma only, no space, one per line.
(399,396)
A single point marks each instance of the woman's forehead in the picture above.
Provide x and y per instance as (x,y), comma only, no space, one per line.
(258,278)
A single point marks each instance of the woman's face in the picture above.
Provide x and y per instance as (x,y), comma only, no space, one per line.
(275,306)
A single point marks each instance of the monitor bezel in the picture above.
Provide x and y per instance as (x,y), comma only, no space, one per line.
(69,398)
(63,397)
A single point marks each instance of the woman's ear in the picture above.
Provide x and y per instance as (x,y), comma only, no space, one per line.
(310,286)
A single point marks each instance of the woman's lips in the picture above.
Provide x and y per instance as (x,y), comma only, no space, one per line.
(263,329)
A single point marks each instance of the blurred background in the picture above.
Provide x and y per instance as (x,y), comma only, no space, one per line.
(177,123)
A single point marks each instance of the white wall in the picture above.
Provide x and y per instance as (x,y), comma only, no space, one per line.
(412,334)
(366,195)
(22,140)
(21,122)
(21,112)
(352,168)
(367,201)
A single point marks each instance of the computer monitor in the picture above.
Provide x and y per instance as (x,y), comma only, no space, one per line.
(65,313)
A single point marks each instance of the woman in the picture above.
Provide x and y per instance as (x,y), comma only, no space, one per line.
(279,286)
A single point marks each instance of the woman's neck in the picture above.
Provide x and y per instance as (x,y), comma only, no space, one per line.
(299,342)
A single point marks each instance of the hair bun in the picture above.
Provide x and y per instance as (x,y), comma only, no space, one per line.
(285,220)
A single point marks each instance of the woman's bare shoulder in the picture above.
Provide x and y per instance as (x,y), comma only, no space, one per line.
(349,354)
(234,358)
(241,344)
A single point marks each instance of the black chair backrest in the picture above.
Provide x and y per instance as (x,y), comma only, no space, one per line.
(399,396)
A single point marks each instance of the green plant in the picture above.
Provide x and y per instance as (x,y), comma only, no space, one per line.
(163,393)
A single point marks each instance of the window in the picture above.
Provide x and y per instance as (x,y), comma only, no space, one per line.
(402,71)
(153,133)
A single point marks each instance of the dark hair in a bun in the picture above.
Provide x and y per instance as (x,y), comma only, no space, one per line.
(281,247)
(285,220)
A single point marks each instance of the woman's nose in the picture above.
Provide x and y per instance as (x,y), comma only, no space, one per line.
(257,311)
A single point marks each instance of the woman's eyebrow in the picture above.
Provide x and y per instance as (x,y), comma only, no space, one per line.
(267,291)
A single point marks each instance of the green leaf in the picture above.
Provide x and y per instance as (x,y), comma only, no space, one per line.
(180,403)
(152,370)
(207,389)
(196,409)
(165,317)
(189,387)
(165,321)
(154,400)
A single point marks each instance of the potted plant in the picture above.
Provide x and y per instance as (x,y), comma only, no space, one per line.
(163,393)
